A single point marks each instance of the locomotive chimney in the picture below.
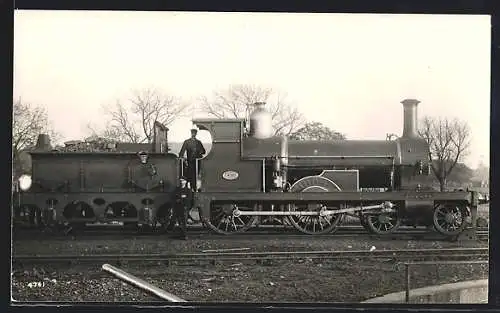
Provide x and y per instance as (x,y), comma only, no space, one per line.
(43,142)
(410,126)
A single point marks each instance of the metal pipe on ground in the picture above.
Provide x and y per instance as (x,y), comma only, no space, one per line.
(141,284)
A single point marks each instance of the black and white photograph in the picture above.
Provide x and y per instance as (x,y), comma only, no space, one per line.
(204,157)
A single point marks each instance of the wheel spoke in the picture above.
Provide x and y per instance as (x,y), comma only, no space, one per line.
(220,223)
(239,218)
(311,224)
(326,220)
(218,216)
(320,224)
(224,222)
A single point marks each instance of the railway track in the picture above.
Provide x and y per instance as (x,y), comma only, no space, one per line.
(404,233)
(215,256)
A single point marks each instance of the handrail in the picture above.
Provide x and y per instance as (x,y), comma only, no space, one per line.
(408,264)
(141,284)
(389,157)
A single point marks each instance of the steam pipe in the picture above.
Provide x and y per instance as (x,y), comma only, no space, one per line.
(141,284)
(283,158)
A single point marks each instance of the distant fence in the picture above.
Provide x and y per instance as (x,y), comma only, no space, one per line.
(409,264)
(475,291)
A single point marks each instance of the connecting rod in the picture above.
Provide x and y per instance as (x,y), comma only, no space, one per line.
(386,208)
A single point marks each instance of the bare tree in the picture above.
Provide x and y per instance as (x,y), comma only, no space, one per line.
(28,121)
(316,131)
(134,120)
(449,142)
(236,101)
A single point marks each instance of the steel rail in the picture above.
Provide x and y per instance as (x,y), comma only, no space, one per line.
(198,225)
(146,259)
(260,231)
(202,235)
(277,255)
(279,230)
(256,230)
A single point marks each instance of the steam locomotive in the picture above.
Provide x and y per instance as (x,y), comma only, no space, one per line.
(249,174)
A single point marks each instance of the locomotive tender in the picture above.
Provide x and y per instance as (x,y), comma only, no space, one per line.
(78,188)
(249,174)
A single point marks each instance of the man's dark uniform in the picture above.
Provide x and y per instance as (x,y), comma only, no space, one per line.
(195,150)
(183,202)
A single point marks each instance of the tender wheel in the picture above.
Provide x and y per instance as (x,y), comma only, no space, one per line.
(25,216)
(450,219)
(363,221)
(314,225)
(146,229)
(383,223)
(165,217)
(35,217)
(78,209)
(222,220)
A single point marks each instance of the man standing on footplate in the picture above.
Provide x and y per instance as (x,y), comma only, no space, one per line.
(194,150)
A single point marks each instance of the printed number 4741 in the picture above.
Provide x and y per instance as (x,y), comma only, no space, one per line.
(36,284)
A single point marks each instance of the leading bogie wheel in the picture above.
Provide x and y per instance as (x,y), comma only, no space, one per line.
(449,219)
(222,220)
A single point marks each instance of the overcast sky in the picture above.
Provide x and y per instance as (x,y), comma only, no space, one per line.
(347,71)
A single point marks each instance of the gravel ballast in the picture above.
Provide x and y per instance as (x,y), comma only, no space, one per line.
(305,281)
(339,281)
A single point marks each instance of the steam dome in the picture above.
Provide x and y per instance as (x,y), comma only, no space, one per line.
(261,122)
